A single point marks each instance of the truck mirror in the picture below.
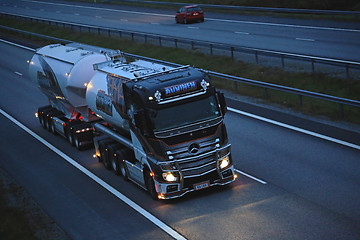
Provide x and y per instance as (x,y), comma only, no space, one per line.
(222,101)
(140,122)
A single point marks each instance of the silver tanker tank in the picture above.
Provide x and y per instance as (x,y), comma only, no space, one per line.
(62,72)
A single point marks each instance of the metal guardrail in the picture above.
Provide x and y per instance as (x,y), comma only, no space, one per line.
(211,46)
(300,93)
(248,8)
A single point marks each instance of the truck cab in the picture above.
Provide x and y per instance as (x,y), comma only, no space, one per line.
(176,120)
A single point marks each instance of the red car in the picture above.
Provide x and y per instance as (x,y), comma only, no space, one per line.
(189,14)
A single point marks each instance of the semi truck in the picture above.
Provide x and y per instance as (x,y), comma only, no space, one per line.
(161,127)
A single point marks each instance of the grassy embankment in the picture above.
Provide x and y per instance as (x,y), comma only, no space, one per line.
(320,83)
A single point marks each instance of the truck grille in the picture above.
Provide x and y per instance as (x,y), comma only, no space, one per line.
(205,146)
(200,163)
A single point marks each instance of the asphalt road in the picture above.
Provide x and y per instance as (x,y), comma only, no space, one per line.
(329,39)
(307,188)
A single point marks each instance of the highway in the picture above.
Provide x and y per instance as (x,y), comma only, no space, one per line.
(321,38)
(291,185)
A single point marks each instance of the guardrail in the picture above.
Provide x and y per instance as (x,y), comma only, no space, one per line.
(351,69)
(248,8)
(300,93)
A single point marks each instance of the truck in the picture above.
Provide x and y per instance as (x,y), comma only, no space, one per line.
(159,126)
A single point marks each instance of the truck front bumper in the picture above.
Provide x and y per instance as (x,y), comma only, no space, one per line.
(168,190)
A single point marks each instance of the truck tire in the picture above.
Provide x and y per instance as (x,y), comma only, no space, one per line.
(115,163)
(77,142)
(48,123)
(71,137)
(150,184)
(53,129)
(44,122)
(103,148)
(120,167)
(41,120)
(124,170)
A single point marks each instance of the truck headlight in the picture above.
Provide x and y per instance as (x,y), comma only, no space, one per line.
(170,177)
(224,162)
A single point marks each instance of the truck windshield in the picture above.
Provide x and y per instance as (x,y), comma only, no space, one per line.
(185,114)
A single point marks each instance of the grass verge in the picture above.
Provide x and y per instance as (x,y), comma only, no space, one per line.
(320,83)
(20,217)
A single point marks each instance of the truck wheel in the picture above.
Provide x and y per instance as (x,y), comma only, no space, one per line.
(105,159)
(123,170)
(71,137)
(150,185)
(77,142)
(43,122)
(53,130)
(116,163)
(48,123)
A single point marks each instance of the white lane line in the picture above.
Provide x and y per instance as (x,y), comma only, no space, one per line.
(17,45)
(211,19)
(124,20)
(18,73)
(344,143)
(252,177)
(98,180)
(155,23)
(284,25)
(98,16)
(305,39)
(244,33)
(193,27)
(76,14)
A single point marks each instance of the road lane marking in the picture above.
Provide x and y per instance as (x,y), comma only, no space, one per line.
(98,16)
(193,27)
(17,45)
(284,125)
(252,177)
(244,33)
(305,39)
(210,19)
(18,73)
(98,180)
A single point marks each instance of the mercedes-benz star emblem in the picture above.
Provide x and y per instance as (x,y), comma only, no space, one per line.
(194,148)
